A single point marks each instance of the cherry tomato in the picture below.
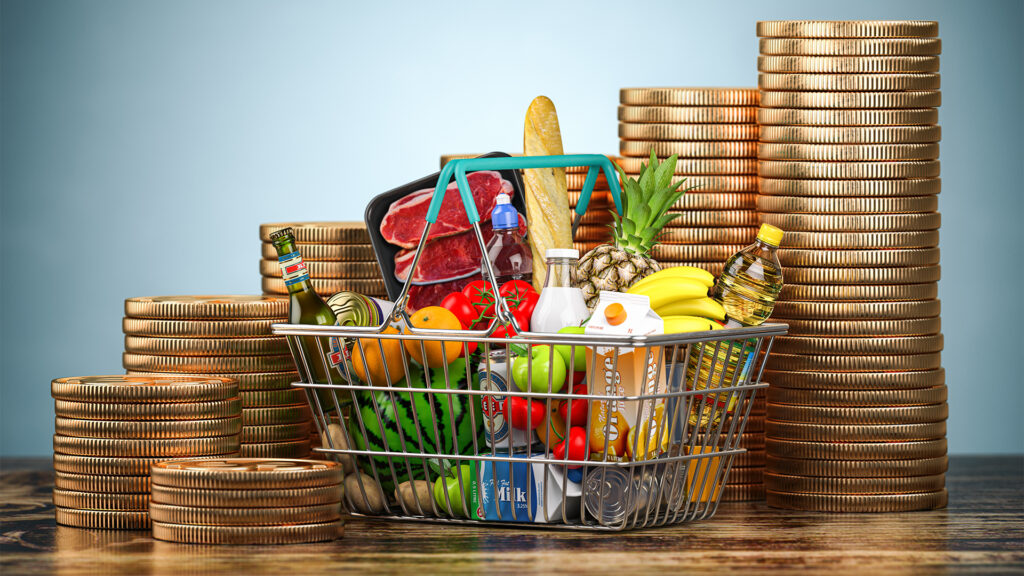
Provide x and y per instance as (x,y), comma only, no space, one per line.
(577,446)
(523,414)
(481,297)
(580,407)
(459,304)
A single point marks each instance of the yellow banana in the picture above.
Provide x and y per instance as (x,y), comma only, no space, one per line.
(667,290)
(680,324)
(705,307)
(698,274)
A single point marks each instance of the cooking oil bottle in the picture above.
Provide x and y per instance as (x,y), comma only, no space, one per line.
(747,290)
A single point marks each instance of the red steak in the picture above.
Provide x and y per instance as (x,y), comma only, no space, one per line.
(447,258)
(405,219)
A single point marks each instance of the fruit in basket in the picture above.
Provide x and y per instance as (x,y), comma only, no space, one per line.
(447,490)
(458,304)
(533,376)
(692,272)
(645,205)
(552,430)
(438,353)
(578,362)
(524,414)
(681,324)
(377,361)
(580,407)
(575,445)
(704,307)
(669,290)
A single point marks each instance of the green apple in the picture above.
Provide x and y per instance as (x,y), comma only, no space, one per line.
(579,359)
(450,485)
(544,364)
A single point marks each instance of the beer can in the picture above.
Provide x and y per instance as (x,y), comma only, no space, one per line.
(498,431)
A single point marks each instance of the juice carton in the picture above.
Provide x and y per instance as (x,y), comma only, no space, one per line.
(635,372)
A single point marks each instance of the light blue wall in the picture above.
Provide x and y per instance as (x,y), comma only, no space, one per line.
(144,142)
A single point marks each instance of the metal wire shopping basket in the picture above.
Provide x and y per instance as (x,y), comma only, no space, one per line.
(661,455)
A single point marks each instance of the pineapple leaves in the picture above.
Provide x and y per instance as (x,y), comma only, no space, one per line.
(663,176)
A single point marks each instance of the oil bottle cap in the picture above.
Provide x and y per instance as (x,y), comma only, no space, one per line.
(615,313)
(770,235)
(504,215)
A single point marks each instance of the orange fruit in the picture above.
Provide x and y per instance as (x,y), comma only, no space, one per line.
(552,431)
(375,368)
(438,353)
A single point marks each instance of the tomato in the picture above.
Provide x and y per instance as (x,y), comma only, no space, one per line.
(459,304)
(580,407)
(480,297)
(470,346)
(524,414)
(508,331)
(516,289)
(529,303)
(577,446)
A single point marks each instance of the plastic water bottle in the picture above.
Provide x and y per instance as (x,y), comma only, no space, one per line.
(508,252)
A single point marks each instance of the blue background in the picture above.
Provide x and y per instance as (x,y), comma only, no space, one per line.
(143,143)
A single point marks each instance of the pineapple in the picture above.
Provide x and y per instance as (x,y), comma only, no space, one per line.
(618,265)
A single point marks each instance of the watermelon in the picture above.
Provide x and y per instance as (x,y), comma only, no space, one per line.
(415,414)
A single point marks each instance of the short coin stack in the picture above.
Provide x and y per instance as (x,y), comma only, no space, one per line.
(338,256)
(848,159)
(111,429)
(746,478)
(714,133)
(226,336)
(246,501)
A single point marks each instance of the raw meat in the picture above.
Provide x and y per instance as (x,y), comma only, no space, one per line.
(432,294)
(405,219)
(447,258)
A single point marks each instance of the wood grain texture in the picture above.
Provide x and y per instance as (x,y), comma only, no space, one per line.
(982,531)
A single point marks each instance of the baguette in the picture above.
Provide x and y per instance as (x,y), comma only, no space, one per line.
(547,201)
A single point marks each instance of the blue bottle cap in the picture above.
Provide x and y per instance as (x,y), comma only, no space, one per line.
(505,215)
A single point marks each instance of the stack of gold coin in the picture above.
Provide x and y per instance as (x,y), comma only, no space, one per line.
(848,160)
(746,478)
(338,255)
(111,429)
(246,501)
(714,133)
(226,336)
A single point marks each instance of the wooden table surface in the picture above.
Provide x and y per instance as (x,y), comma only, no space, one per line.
(981,531)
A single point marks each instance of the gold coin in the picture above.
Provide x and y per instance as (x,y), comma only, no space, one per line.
(715,184)
(835,135)
(205,364)
(752,440)
(112,466)
(905,275)
(593,233)
(206,346)
(317,269)
(859,415)
(857,380)
(148,429)
(247,381)
(687,132)
(247,498)
(755,424)
(746,475)
(858,468)
(713,218)
(244,516)
(846,117)
(858,345)
(698,200)
(103,519)
(275,415)
(149,412)
(852,100)
(847,152)
(856,398)
(642,148)
(206,307)
(576,182)
(848,82)
(289,449)
(749,458)
(855,258)
(854,222)
(847,29)
(121,388)
(874,328)
(688,96)
(798,204)
(251,535)
(846,65)
(198,328)
(847,170)
(714,268)
(812,485)
(246,473)
(742,492)
(850,311)
(102,484)
(846,188)
(95,501)
(734,236)
(858,502)
(596,217)
(861,240)
(821,363)
(697,166)
(850,46)
(278,433)
(597,198)
(330,286)
(857,450)
(268,398)
(170,447)
(689,114)
(695,252)
(325,252)
(320,232)
(585,247)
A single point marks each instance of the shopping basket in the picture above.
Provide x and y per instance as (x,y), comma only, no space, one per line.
(430,422)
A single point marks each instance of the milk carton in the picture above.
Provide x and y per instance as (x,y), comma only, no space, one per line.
(516,491)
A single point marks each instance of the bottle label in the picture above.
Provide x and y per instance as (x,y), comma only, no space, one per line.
(293,269)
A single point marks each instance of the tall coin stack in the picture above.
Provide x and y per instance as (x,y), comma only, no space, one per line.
(714,133)
(746,478)
(111,429)
(246,501)
(848,160)
(226,336)
(338,256)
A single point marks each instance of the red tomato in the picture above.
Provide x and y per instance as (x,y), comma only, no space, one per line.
(523,414)
(580,406)
(470,347)
(508,331)
(577,442)
(481,297)
(516,289)
(459,304)
(529,303)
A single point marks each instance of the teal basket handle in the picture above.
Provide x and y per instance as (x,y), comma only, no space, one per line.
(458,168)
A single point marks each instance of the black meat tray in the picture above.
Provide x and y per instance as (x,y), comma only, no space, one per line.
(380,204)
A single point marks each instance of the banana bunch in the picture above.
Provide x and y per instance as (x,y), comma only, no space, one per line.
(680,296)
